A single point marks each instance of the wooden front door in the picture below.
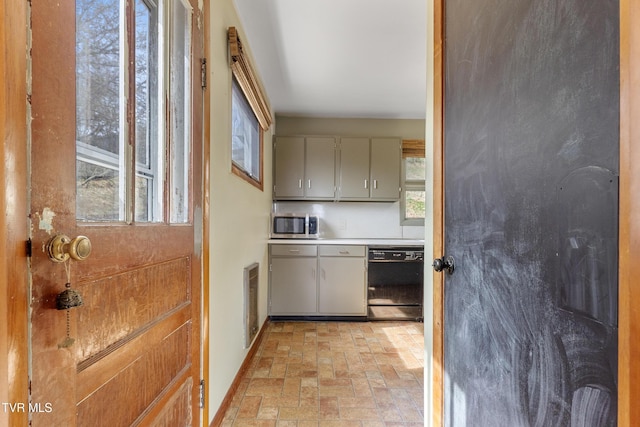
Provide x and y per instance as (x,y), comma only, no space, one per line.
(116,107)
(531,160)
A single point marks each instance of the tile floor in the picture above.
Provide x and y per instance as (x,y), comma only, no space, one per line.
(365,374)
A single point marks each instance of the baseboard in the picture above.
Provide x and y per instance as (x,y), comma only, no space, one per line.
(226,402)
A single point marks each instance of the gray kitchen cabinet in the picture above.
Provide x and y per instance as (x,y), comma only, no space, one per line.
(311,280)
(320,160)
(385,168)
(304,168)
(369,169)
(354,168)
(293,280)
(288,167)
(342,280)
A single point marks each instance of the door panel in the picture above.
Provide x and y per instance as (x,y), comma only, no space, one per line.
(531,163)
(130,353)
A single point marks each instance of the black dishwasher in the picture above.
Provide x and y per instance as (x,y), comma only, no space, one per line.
(395,283)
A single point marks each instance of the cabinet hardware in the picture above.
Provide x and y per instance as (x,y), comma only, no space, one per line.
(299,183)
(366,183)
(375,184)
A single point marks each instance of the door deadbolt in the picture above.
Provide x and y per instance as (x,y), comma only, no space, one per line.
(444,263)
(60,248)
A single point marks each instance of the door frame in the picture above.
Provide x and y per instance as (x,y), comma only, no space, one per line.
(629,213)
(14,285)
(629,231)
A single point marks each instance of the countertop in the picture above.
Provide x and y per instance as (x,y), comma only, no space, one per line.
(367,242)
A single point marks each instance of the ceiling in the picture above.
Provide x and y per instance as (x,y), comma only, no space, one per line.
(339,58)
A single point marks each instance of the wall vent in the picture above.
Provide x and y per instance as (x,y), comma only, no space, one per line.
(250,303)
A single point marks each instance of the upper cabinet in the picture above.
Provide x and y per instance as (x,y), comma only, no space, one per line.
(304,168)
(288,159)
(354,179)
(369,169)
(319,168)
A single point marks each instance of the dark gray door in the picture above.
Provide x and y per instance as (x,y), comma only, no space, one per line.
(531,212)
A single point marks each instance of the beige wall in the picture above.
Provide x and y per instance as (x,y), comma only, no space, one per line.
(239,220)
(403,128)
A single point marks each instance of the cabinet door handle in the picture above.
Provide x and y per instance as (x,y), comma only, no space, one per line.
(294,251)
(309,183)
(375,184)
(366,183)
(299,183)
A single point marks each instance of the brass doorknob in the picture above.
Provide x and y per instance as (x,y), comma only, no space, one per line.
(61,247)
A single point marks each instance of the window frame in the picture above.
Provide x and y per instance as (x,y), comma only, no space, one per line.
(236,168)
(411,149)
(242,72)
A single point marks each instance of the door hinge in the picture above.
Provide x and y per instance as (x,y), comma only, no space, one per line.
(203,72)
(28,247)
(202,393)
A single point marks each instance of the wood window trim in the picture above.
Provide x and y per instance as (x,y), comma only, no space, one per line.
(413,148)
(246,77)
(259,184)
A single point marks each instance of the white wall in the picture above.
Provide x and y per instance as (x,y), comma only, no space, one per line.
(353,220)
(239,219)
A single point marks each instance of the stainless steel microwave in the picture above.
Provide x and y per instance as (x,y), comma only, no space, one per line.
(294,226)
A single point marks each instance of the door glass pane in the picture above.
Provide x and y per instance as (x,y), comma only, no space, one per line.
(180,84)
(99,124)
(148,196)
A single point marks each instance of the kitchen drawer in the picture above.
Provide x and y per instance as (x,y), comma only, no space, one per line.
(342,250)
(294,250)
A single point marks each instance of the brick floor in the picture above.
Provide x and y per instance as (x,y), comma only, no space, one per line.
(325,374)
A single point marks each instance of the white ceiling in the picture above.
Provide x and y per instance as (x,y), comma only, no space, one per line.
(339,58)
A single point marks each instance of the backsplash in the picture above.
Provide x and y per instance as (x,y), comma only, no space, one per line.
(355,220)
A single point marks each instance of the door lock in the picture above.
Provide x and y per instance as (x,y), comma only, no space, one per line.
(444,263)
(60,248)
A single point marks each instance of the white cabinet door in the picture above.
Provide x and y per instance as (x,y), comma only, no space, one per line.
(292,289)
(342,286)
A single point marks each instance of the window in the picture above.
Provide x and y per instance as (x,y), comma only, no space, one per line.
(413,189)
(121,140)
(246,138)
(250,116)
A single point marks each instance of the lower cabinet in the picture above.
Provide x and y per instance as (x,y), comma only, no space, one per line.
(293,280)
(326,280)
(342,279)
